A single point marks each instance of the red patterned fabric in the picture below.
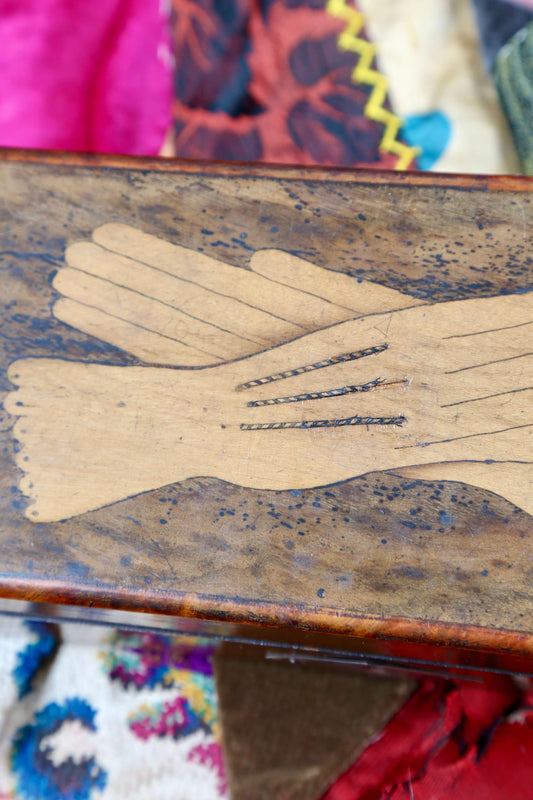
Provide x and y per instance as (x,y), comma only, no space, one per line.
(453,740)
(265,80)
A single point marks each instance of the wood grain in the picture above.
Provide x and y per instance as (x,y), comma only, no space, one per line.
(409,551)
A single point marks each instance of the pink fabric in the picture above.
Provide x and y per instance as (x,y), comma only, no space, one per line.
(91,75)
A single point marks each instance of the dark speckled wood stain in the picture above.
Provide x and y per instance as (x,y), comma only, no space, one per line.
(373,532)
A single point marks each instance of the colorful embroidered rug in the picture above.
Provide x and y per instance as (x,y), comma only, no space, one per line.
(96,713)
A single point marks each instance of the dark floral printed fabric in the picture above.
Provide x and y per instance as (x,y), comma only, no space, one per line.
(267,81)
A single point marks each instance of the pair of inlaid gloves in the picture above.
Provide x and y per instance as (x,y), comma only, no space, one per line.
(282,376)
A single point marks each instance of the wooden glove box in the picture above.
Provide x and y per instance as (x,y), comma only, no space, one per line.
(281,405)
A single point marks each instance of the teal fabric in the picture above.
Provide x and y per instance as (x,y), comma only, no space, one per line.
(513,75)
(431,133)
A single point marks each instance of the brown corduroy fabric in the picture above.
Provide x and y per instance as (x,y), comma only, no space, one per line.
(291,729)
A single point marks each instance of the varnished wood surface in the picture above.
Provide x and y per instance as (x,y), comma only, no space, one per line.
(383,554)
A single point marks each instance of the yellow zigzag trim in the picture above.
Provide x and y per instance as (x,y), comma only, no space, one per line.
(363,73)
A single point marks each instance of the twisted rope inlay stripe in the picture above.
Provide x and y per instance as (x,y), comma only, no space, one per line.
(294,398)
(323,423)
(328,362)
